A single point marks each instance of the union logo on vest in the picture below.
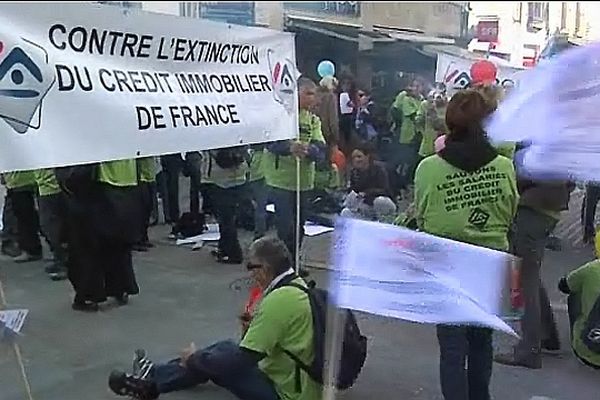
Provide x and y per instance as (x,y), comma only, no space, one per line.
(25,79)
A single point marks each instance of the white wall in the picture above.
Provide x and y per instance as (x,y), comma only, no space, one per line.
(162,7)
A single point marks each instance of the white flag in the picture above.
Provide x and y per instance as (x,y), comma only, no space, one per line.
(392,271)
(556,110)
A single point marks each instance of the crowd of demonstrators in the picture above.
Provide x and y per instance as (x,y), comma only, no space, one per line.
(93,216)
(257,366)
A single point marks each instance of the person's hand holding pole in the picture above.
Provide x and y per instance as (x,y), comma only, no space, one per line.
(299,150)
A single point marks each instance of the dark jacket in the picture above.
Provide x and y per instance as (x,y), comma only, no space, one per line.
(541,194)
(551,196)
(373,182)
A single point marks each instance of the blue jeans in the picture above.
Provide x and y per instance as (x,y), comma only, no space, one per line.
(210,364)
(285,216)
(460,347)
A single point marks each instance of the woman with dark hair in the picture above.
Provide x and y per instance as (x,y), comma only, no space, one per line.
(466,192)
(369,195)
(347,99)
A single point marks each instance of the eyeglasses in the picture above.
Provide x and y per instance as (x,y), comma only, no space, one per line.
(251,267)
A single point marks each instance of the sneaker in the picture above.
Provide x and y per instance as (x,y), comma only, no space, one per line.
(25,257)
(123,384)
(142,365)
(57,274)
(174,235)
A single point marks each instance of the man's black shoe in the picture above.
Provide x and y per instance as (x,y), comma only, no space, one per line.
(85,306)
(123,384)
(56,271)
(223,259)
(10,248)
(551,344)
(139,248)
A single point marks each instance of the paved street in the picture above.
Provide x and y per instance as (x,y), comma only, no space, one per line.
(187,297)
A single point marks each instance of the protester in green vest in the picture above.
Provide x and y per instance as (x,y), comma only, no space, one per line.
(21,188)
(104,220)
(224,174)
(404,113)
(432,119)
(53,221)
(583,287)
(258,189)
(282,160)
(256,367)
(467,192)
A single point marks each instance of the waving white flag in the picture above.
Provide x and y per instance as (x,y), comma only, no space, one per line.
(392,271)
(556,109)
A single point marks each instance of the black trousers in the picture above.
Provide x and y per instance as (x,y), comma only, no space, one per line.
(9,222)
(588,210)
(147,195)
(28,223)
(466,359)
(102,227)
(53,221)
(225,202)
(285,216)
(172,165)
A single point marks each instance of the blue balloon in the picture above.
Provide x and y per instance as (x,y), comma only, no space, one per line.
(326,68)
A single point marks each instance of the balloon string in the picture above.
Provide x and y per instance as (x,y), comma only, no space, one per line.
(17,349)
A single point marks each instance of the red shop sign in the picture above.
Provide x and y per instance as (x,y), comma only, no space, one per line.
(487,31)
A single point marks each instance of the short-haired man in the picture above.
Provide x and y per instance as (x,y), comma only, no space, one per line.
(280,163)
(257,368)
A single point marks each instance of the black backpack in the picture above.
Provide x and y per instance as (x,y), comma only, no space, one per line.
(354,344)
(590,335)
(231,157)
(190,224)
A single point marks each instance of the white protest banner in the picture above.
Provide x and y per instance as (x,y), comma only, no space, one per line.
(395,272)
(455,72)
(83,82)
(555,111)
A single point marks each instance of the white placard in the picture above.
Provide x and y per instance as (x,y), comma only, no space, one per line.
(13,320)
(455,72)
(392,271)
(85,83)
